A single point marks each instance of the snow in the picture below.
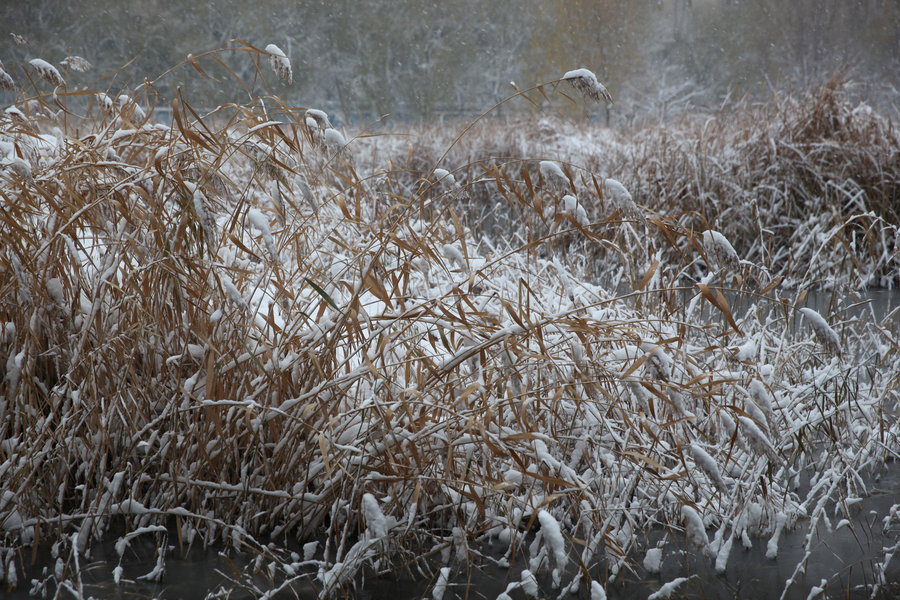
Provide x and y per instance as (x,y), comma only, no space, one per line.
(761,395)
(823,331)
(553,537)
(597,591)
(231,292)
(280,63)
(529,584)
(12,519)
(817,590)
(585,81)
(55,291)
(334,140)
(131,110)
(482,363)
(553,176)
(15,113)
(694,528)
(77,63)
(259,221)
(440,587)
(455,256)
(756,438)
(376,523)
(265,125)
(309,550)
(580,74)
(720,250)
(129,507)
(667,589)
(708,465)
(47,71)
(6,81)
(445,179)
(573,208)
(619,198)
(723,554)
(319,117)
(653,560)
(17,165)
(12,576)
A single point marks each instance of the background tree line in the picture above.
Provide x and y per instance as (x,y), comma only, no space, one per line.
(418,60)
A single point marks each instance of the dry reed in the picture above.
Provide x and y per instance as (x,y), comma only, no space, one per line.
(377,377)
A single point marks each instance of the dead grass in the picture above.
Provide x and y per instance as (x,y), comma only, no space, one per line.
(805,185)
(229,330)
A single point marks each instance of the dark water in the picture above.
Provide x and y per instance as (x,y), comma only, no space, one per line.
(866,305)
(845,558)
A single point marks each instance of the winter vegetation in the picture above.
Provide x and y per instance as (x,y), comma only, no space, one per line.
(346,355)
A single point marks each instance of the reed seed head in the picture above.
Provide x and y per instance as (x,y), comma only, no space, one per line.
(280,63)
(76,63)
(48,72)
(721,251)
(823,331)
(319,118)
(6,81)
(587,84)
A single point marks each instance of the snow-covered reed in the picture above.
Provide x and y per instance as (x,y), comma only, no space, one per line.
(823,331)
(48,72)
(76,63)
(280,64)
(6,81)
(721,251)
(585,81)
(803,186)
(370,373)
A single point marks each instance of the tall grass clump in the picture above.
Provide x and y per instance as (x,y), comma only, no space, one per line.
(244,330)
(804,184)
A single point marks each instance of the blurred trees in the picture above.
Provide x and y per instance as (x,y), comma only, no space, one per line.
(610,37)
(414,59)
(748,43)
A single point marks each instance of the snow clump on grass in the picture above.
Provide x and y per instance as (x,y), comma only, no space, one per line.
(553,538)
(574,209)
(620,199)
(105,103)
(694,528)
(318,117)
(440,586)
(668,589)
(823,331)
(334,141)
(261,224)
(721,251)
(6,81)
(131,110)
(653,560)
(375,520)
(48,72)
(77,63)
(554,178)
(587,84)
(280,63)
(708,466)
